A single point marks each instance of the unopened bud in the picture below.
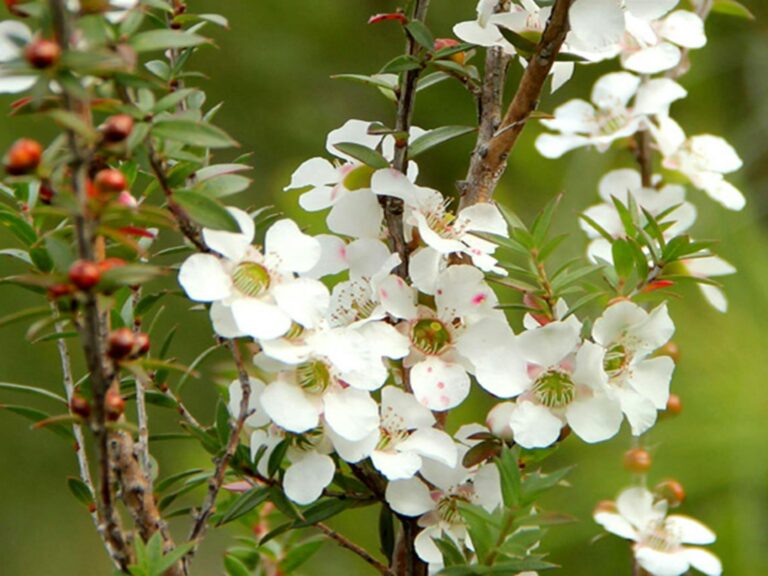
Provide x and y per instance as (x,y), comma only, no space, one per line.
(46,193)
(674,405)
(23,157)
(42,53)
(114,404)
(121,343)
(117,128)
(79,406)
(57,291)
(671,491)
(84,274)
(638,460)
(142,344)
(110,181)
(458,57)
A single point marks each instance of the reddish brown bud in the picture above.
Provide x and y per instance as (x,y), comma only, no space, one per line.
(117,128)
(674,405)
(60,290)
(42,53)
(23,157)
(114,404)
(637,460)
(79,406)
(110,182)
(121,343)
(46,193)
(458,57)
(84,274)
(141,347)
(671,491)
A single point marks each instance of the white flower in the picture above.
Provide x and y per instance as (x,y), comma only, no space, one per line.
(256,415)
(13,36)
(710,267)
(630,335)
(527,20)
(566,384)
(406,436)
(437,509)
(610,116)
(703,159)
(659,539)
(298,399)
(118,8)
(257,294)
(441,231)
(669,201)
(448,342)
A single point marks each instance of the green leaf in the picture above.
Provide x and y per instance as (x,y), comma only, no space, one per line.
(482,528)
(537,483)
(222,186)
(192,133)
(732,8)
(436,137)
(38,416)
(511,481)
(541,225)
(130,275)
(379,81)
(623,257)
(452,556)
(29,313)
(152,40)
(401,63)
(80,490)
(419,32)
(32,390)
(172,100)
(277,456)
(166,483)
(300,554)
(168,560)
(207,212)
(244,504)
(527,47)
(17,226)
(387,532)
(321,511)
(362,153)
(235,567)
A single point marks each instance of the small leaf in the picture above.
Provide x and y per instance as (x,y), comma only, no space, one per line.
(299,555)
(80,490)
(362,153)
(419,32)
(152,40)
(732,8)
(511,482)
(206,211)
(525,46)
(235,567)
(436,137)
(244,504)
(32,390)
(623,257)
(193,133)
(18,227)
(321,511)
(401,63)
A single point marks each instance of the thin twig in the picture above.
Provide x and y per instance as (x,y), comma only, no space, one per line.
(352,547)
(217,479)
(490,161)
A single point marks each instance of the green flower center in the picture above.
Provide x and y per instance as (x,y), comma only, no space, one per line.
(430,336)
(616,360)
(554,389)
(251,279)
(313,376)
(448,508)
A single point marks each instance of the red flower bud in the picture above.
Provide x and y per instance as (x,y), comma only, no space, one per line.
(46,193)
(84,274)
(42,53)
(637,460)
(79,406)
(141,347)
(117,128)
(458,57)
(674,405)
(114,404)
(23,157)
(60,290)
(671,491)
(121,343)
(110,181)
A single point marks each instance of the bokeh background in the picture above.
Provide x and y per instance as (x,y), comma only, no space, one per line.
(272,70)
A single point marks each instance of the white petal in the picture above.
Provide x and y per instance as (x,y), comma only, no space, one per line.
(715,297)
(653,59)
(439,385)
(554,146)
(589,369)
(725,193)
(691,531)
(203,278)
(405,409)
(704,561)
(498,419)
(305,300)
(314,172)
(561,73)
(473,33)
(575,116)
(613,91)
(718,154)
(431,443)
(636,505)
(425,546)
(619,183)
(354,452)
(223,321)
(534,426)
(333,257)
(396,465)
(368,256)
(462,291)
(548,345)
(654,332)
(424,268)
(662,563)
(609,328)
(289,407)
(599,23)
(650,9)
(306,479)
(710,266)
(651,378)
(352,413)
(596,419)
(16,84)
(258,417)
(640,412)
(385,340)
(11,30)
(296,251)
(320,197)
(616,524)
(487,482)
(355,131)
(397,298)
(260,319)
(409,497)
(483,217)
(230,244)
(358,214)
(655,96)
(684,28)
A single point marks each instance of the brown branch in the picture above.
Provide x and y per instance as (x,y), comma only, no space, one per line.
(352,547)
(214,484)
(490,161)
(393,207)
(644,156)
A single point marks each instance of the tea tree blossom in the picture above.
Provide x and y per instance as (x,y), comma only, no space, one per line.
(661,541)
(13,36)
(255,293)
(610,116)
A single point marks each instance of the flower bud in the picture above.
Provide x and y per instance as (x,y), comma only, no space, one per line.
(84,274)
(57,291)
(42,53)
(114,404)
(121,343)
(674,405)
(142,344)
(110,181)
(458,57)
(23,157)
(637,460)
(79,406)
(671,491)
(46,193)
(127,200)
(117,128)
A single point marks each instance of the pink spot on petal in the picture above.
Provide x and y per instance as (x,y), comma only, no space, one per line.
(444,400)
(400,282)
(429,369)
(343,252)
(384,294)
(476,252)
(441,385)
(439,292)
(478,299)
(424,400)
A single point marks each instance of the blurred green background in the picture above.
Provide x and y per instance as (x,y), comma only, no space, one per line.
(273,71)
